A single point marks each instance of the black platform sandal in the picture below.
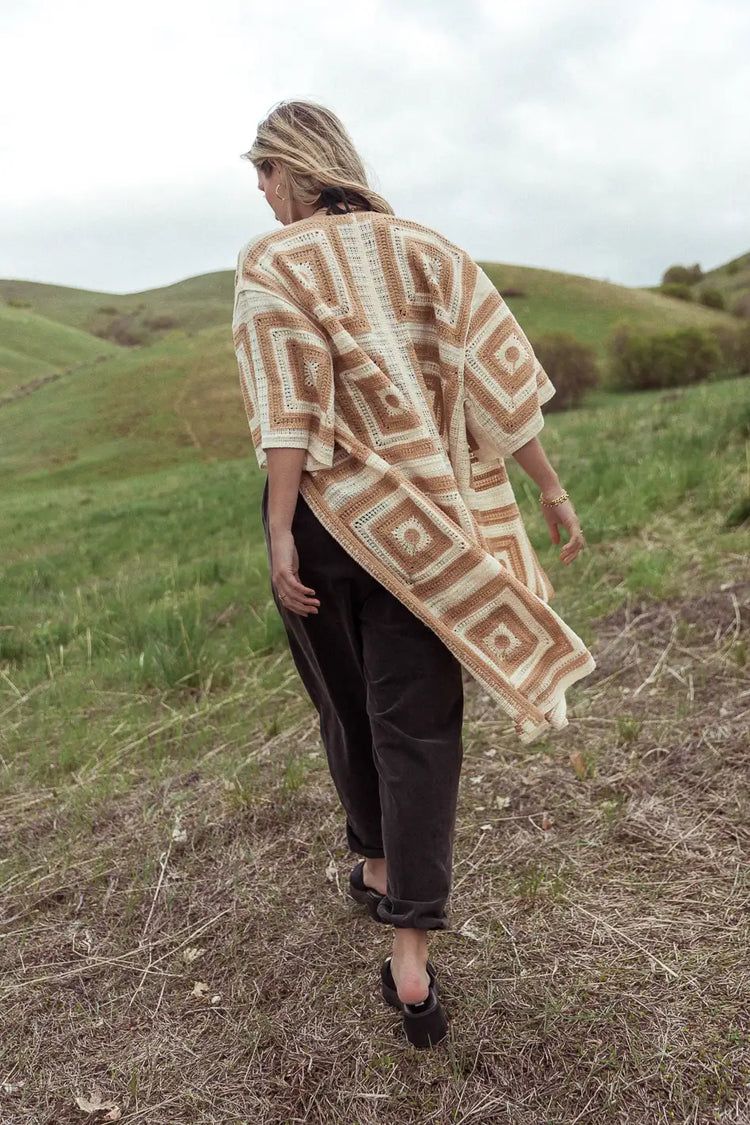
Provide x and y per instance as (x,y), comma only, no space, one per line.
(362,893)
(425,1024)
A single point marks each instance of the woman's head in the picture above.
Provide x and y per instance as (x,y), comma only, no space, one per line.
(305,161)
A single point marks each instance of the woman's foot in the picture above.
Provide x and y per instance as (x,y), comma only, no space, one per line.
(409,966)
(374,875)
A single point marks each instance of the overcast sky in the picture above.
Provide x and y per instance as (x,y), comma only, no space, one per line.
(590,136)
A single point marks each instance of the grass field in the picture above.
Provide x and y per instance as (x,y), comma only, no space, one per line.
(176,931)
(32,345)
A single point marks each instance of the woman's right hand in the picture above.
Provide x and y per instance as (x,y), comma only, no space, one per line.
(564,515)
(293,595)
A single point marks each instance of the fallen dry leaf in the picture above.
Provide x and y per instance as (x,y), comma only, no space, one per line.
(94,1104)
(200,989)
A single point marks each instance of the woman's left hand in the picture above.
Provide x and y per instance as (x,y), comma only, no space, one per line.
(564,515)
(293,595)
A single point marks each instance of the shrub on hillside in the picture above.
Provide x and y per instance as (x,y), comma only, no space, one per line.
(732,268)
(677,289)
(122,330)
(667,359)
(682,275)
(741,307)
(734,344)
(711,298)
(161,323)
(571,366)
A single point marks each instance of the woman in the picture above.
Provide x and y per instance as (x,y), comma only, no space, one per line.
(385,381)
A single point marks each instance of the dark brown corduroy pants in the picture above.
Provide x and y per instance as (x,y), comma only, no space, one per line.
(390,699)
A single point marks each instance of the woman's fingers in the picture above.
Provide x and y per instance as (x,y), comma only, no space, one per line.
(575,544)
(295,596)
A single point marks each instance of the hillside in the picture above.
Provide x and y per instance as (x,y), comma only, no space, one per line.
(141,409)
(547,301)
(132,318)
(32,345)
(552,302)
(130,409)
(731,279)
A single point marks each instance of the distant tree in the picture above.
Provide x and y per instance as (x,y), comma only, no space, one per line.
(677,289)
(682,275)
(712,298)
(570,364)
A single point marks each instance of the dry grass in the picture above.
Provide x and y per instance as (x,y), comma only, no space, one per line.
(596,971)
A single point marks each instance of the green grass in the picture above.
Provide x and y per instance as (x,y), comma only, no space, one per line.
(159,579)
(159,582)
(167,815)
(141,410)
(31,345)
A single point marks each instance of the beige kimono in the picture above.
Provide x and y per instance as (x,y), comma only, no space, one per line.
(382,349)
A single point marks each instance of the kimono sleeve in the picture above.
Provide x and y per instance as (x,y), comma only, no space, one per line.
(286,376)
(505,385)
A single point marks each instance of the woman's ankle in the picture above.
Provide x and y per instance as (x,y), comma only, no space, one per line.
(375,874)
(411,943)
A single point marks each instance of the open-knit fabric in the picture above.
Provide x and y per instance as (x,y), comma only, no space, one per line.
(385,351)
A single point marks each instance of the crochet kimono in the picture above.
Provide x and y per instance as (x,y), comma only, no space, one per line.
(385,351)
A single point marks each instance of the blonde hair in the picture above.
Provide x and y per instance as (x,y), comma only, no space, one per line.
(318,160)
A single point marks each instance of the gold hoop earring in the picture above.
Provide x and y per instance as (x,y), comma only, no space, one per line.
(281,197)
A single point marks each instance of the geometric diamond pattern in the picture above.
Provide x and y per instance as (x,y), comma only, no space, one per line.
(383,350)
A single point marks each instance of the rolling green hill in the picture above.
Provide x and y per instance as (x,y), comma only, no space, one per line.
(589,309)
(132,318)
(141,409)
(32,345)
(732,280)
(547,301)
(125,410)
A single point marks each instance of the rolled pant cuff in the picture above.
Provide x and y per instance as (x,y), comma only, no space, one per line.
(411,915)
(363,849)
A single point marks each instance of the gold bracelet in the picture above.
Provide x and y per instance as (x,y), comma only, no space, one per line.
(559,499)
